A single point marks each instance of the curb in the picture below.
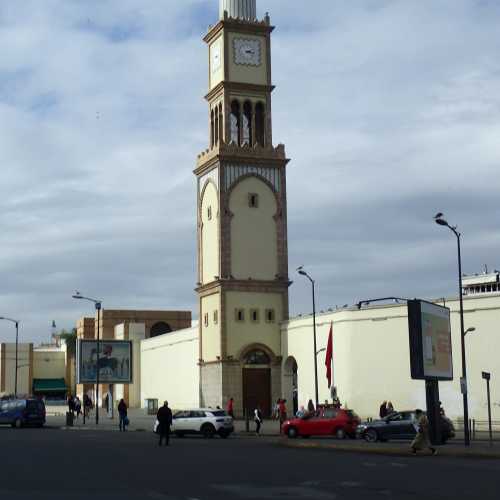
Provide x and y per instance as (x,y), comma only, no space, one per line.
(444,452)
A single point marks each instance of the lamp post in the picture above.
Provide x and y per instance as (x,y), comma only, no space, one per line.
(439,219)
(98,307)
(301,271)
(16,322)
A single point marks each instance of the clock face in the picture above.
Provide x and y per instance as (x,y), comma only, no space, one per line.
(216,56)
(247,52)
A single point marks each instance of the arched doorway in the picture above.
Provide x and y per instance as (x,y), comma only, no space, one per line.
(257,381)
(160,328)
(291,382)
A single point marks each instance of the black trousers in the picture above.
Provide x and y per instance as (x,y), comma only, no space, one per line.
(257,426)
(164,431)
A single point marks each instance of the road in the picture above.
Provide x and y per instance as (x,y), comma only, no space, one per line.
(76,465)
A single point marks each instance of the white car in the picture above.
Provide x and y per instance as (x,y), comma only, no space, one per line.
(205,421)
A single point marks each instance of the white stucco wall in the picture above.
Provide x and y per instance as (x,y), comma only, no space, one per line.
(169,368)
(372,364)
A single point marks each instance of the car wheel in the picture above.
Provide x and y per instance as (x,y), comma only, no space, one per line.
(340,434)
(292,432)
(371,436)
(208,431)
(179,434)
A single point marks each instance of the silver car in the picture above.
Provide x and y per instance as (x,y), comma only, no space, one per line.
(205,421)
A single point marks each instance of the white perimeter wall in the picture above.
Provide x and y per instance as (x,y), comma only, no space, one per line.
(372,360)
(169,369)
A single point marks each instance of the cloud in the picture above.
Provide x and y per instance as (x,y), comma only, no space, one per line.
(389,111)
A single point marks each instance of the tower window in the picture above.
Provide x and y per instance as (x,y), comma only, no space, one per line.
(270,315)
(254,315)
(216,317)
(240,315)
(235,122)
(260,124)
(221,123)
(205,319)
(209,213)
(253,200)
(216,126)
(212,129)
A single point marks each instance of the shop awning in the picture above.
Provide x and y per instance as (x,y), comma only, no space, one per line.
(49,385)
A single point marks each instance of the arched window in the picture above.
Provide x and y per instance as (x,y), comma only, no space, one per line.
(212,131)
(260,129)
(160,328)
(257,357)
(221,125)
(235,122)
(247,123)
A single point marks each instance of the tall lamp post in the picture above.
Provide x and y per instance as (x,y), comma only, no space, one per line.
(439,218)
(16,322)
(98,307)
(301,271)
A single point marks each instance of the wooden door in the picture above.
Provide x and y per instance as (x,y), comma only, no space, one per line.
(257,390)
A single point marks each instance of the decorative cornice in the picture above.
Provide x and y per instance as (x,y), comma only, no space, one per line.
(246,88)
(237,285)
(246,152)
(240,25)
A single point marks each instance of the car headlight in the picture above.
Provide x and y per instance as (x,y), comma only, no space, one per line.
(361,427)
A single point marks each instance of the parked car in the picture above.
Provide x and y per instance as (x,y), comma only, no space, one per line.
(324,422)
(205,421)
(22,412)
(399,425)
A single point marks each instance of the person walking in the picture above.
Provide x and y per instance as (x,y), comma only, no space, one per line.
(122,412)
(310,407)
(78,407)
(258,420)
(71,405)
(422,440)
(282,412)
(164,417)
(383,410)
(230,407)
(390,408)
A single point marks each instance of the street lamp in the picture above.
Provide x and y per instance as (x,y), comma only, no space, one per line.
(16,322)
(301,271)
(98,307)
(439,219)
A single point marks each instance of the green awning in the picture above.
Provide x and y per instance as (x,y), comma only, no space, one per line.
(49,385)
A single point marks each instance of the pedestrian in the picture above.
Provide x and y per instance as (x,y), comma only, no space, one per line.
(276,410)
(87,405)
(390,408)
(258,420)
(282,410)
(122,412)
(71,405)
(164,417)
(230,407)
(383,410)
(310,407)
(421,441)
(78,407)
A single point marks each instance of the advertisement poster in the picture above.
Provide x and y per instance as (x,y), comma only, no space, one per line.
(115,362)
(436,339)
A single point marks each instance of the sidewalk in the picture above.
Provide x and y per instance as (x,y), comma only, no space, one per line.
(454,449)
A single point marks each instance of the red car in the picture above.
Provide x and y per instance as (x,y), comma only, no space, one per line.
(325,422)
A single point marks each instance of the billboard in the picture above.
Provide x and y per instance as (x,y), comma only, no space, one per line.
(115,361)
(430,341)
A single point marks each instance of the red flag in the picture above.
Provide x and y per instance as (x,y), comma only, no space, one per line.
(329,357)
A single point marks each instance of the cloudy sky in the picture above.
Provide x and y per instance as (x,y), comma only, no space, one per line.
(390,111)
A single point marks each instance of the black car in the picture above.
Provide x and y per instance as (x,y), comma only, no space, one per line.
(399,425)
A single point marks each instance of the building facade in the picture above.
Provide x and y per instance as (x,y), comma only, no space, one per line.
(242,218)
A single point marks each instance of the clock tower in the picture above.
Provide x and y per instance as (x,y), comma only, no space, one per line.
(242,219)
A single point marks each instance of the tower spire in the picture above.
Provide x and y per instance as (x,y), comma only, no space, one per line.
(238,9)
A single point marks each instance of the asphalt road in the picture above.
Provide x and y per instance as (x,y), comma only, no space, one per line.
(73,465)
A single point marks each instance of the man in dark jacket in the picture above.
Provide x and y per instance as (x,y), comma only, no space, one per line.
(164,417)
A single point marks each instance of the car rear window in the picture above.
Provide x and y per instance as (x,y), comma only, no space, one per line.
(219,413)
